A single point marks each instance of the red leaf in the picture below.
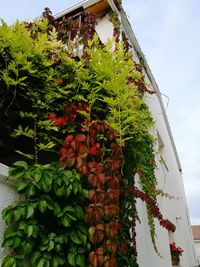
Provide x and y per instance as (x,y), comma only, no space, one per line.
(81,137)
(68,139)
(93,151)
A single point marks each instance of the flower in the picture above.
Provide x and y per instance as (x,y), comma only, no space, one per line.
(175,250)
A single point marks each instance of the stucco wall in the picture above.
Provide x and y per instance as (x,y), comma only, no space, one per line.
(7,196)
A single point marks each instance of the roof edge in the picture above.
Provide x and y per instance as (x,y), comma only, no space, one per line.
(84,4)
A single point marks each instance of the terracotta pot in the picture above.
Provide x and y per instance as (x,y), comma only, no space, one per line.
(175,260)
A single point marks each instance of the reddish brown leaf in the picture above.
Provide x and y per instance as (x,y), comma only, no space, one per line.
(96,233)
(68,139)
(81,137)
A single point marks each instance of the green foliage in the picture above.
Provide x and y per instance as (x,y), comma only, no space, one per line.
(47,227)
(39,82)
(32,61)
(109,91)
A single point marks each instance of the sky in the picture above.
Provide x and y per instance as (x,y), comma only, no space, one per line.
(169,35)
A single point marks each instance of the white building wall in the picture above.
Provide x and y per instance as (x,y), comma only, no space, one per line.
(7,196)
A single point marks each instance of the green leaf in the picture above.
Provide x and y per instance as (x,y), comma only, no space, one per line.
(35,257)
(85,193)
(29,156)
(7,243)
(75,238)
(21,186)
(83,237)
(59,191)
(46,181)
(55,261)
(46,146)
(16,172)
(50,245)
(16,214)
(41,263)
(20,256)
(71,257)
(22,164)
(42,204)
(68,209)
(75,188)
(30,230)
(7,215)
(28,247)
(79,212)
(31,191)
(9,232)
(37,174)
(17,242)
(29,211)
(80,260)
(66,221)
(8,261)
(72,217)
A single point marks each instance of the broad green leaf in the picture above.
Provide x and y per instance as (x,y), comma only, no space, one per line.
(80,260)
(55,261)
(9,232)
(17,242)
(50,245)
(46,181)
(8,242)
(16,172)
(35,257)
(16,214)
(72,217)
(7,215)
(75,238)
(30,230)
(71,257)
(79,212)
(42,204)
(22,164)
(29,211)
(31,191)
(83,237)
(37,174)
(21,186)
(68,209)
(28,247)
(41,263)
(65,220)
(8,261)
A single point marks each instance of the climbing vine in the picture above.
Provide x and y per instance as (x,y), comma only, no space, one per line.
(87,130)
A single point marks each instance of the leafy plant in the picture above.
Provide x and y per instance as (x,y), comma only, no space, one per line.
(87,112)
(47,227)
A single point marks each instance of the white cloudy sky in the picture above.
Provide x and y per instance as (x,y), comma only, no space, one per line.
(169,35)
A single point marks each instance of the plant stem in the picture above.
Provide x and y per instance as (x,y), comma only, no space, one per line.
(35,143)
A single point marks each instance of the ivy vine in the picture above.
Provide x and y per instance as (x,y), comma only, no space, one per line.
(88,133)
